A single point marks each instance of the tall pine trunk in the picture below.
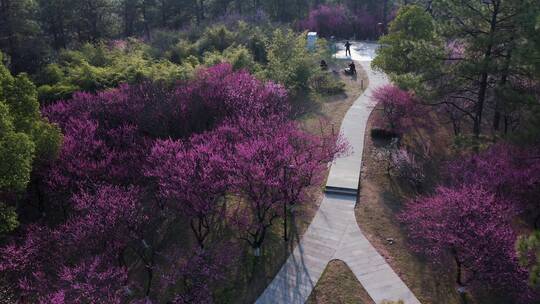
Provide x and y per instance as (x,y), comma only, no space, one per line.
(484,76)
(499,101)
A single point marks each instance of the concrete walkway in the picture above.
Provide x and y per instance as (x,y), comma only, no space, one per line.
(334,233)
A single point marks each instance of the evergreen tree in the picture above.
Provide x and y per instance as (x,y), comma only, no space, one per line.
(461,53)
(20,34)
(25,138)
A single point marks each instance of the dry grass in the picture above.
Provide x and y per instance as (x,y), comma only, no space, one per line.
(331,109)
(338,285)
(379,202)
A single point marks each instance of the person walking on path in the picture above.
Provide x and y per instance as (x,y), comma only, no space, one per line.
(348,48)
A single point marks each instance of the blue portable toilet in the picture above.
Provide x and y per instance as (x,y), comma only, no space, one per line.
(311,40)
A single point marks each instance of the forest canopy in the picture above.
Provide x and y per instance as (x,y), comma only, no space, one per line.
(160,151)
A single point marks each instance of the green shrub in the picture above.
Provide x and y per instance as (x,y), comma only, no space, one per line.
(280,56)
(8,219)
(89,77)
(254,39)
(182,50)
(257,46)
(85,70)
(192,61)
(289,61)
(465,142)
(213,58)
(216,38)
(96,55)
(325,83)
(238,56)
(60,91)
(50,74)
(162,43)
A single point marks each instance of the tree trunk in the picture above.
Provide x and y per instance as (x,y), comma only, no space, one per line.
(150,271)
(201,230)
(200,11)
(456,126)
(145,18)
(497,115)
(63,40)
(536,221)
(163,14)
(477,128)
(285,237)
(259,237)
(93,18)
(127,20)
(499,102)
(459,280)
(482,92)
(385,17)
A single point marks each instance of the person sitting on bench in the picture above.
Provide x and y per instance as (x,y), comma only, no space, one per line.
(324,65)
(351,70)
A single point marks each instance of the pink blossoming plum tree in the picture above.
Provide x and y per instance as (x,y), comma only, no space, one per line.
(473,227)
(193,273)
(340,21)
(193,178)
(218,94)
(397,106)
(510,172)
(138,158)
(273,166)
(329,20)
(86,247)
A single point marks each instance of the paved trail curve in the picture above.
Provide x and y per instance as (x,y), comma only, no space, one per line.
(334,233)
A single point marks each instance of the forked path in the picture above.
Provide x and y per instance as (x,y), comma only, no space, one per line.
(334,233)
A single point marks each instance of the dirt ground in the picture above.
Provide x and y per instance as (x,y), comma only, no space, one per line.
(380,200)
(338,285)
(330,110)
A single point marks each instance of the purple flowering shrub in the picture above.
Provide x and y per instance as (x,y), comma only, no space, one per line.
(137,159)
(473,228)
(472,220)
(339,21)
(397,105)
